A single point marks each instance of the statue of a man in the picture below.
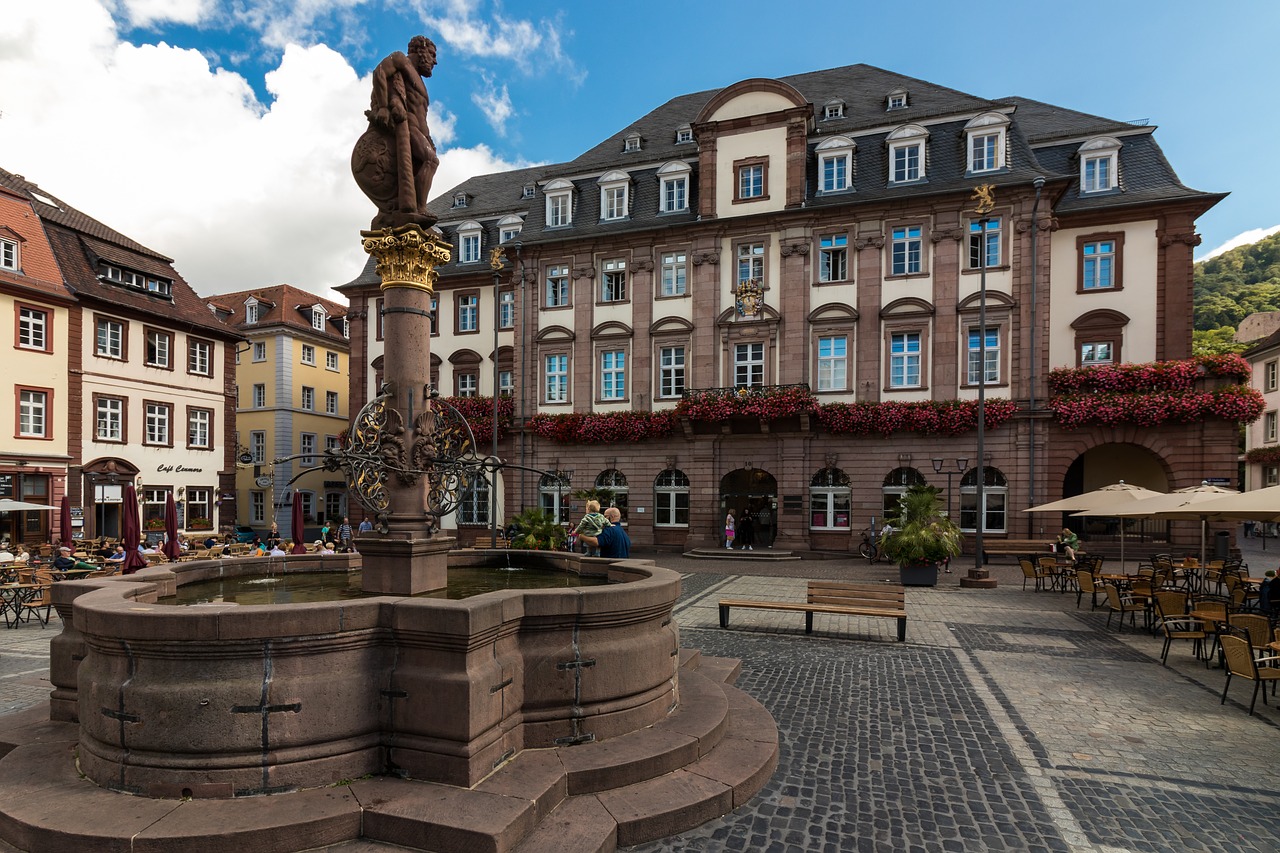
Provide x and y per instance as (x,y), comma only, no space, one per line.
(395,160)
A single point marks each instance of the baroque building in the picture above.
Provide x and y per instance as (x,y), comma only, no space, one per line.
(292,397)
(736,263)
(122,375)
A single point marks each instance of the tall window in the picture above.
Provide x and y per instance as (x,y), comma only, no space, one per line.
(317,319)
(992,244)
(259,395)
(556,378)
(833,361)
(198,421)
(751,180)
(308,354)
(905,161)
(199,509)
(751,262)
(1099,262)
(834,165)
(995,493)
(675,271)
(331,402)
(895,486)
(904,360)
(468,385)
(308,398)
(307,447)
(1098,172)
(331,361)
(613,375)
(553,494)
(671,371)
(159,417)
(557,286)
(984,152)
(250,313)
(906,251)
(675,194)
(833,257)
(198,357)
(829,500)
(110,339)
(748,365)
(33,328)
(153,504)
(159,345)
(1271,380)
(473,505)
(616,482)
(507,309)
(8,254)
(559,210)
(613,285)
(671,499)
(109,419)
(1269,427)
(33,407)
(468,313)
(259,351)
(506,383)
(258,446)
(614,202)
(992,347)
(434,311)
(470,248)
(257,507)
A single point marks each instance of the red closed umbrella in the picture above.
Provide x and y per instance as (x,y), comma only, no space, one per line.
(171,548)
(65,521)
(132,533)
(299,547)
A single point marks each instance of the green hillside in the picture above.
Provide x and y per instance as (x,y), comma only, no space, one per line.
(1232,286)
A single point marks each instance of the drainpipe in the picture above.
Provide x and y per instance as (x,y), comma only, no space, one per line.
(1038,183)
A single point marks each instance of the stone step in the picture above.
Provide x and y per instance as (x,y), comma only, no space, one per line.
(768,555)
(723,670)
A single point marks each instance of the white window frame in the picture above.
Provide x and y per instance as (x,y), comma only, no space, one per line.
(906,250)
(509,228)
(615,196)
(974,352)
(198,423)
(468,384)
(108,418)
(671,499)
(836,155)
(9,255)
(259,395)
(896,100)
(469,242)
(1094,261)
(1269,427)
(318,318)
(993,255)
(156,428)
(33,328)
(833,363)
(259,351)
(1093,154)
(613,280)
(331,402)
(904,168)
(1096,352)
(199,357)
(33,413)
(506,309)
(250,313)
(992,493)
(905,363)
(114,338)
(559,204)
(748,365)
(160,354)
(830,493)
(671,371)
(258,446)
(751,181)
(684,134)
(330,360)
(469,313)
(556,289)
(985,142)
(307,448)
(613,375)
(506,383)
(308,398)
(751,262)
(675,274)
(673,187)
(555,378)
(309,355)
(833,257)
(1271,374)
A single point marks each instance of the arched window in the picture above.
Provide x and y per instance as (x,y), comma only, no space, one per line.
(616,482)
(553,494)
(473,503)
(829,500)
(995,493)
(898,481)
(671,499)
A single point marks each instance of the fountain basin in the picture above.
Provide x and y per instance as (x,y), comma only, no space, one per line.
(225,700)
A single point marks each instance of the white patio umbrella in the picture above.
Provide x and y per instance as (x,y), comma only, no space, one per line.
(1100,502)
(1256,505)
(1186,503)
(10,505)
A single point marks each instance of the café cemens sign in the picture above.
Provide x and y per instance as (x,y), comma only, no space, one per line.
(177,469)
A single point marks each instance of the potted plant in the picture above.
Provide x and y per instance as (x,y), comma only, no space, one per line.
(922,536)
(537,530)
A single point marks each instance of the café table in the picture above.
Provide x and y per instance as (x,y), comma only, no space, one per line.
(12,597)
(71,574)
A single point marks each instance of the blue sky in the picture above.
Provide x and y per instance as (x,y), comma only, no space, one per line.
(219,133)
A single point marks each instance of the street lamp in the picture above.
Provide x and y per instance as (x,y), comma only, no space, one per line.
(985,196)
(961,464)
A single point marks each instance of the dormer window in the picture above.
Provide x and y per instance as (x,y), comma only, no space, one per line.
(1099,165)
(460,200)
(986,136)
(136,280)
(835,164)
(469,242)
(251,312)
(345,327)
(684,134)
(832,109)
(527,191)
(509,228)
(559,203)
(632,142)
(9,258)
(318,317)
(673,187)
(614,195)
(907,154)
(896,100)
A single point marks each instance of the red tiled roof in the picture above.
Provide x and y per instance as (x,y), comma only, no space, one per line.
(280,304)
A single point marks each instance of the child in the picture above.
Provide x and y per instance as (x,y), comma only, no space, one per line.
(591,525)
(728,530)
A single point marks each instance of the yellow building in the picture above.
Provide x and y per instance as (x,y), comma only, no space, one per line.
(292,398)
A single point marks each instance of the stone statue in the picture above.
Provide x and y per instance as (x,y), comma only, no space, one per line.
(395,160)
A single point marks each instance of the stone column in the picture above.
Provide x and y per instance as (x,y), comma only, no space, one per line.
(409,557)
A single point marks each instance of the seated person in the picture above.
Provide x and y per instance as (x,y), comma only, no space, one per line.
(327,549)
(64,561)
(210,541)
(117,557)
(276,550)
(1068,543)
(6,556)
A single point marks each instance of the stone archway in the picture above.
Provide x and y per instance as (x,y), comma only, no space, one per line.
(752,490)
(1107,463)
(104,482)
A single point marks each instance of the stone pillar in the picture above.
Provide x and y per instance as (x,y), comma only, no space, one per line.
(409,557)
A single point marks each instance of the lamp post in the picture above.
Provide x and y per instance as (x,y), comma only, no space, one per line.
(495,263)
(985,196)
(938,464)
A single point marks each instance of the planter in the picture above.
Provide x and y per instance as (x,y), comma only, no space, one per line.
(918,574)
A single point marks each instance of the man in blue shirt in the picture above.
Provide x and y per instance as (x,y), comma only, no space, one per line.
(613,540)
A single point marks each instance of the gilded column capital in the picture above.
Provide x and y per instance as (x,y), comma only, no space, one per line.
(406,256)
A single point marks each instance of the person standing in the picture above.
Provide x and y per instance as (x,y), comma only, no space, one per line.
(613,540)
(746,532)
(366,526)
(345,534)
(729,530)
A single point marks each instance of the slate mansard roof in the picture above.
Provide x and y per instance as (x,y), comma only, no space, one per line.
(1042,140)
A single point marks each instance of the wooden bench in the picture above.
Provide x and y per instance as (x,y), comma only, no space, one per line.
(846,599)
(1015,547)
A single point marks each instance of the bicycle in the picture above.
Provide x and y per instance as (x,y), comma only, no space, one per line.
(868,547)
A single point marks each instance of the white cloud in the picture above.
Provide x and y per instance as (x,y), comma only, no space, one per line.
(1242,239)
(529,44)
(144,13)
(184,158)
(495,103)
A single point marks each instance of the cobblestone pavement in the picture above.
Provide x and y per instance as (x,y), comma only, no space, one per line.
(1008,721)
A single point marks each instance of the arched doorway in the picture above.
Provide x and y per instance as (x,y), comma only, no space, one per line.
(752,490)
(104,482)
(1107,464)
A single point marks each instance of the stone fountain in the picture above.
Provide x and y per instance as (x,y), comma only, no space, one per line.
(550,719)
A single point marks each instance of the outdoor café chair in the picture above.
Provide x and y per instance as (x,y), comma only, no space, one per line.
(1085,582)
(42,597)
(1031,572)
(1178,625)
(1241,660)
(1122,604)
